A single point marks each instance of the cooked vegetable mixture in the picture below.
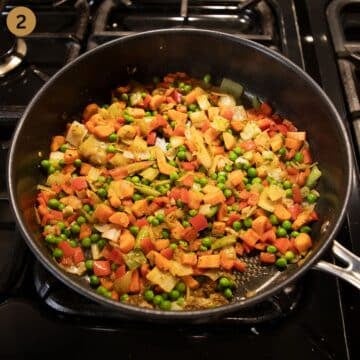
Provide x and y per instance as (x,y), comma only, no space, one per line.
(158,197)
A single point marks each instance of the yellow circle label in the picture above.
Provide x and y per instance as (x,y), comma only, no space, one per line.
(21,21)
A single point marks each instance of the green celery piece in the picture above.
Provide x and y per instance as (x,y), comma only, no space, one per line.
(134,259)
(224,241)
(146,190)
(143,233)
(313,177)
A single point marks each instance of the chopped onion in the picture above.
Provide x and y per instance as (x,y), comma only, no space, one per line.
(111,234)
(161,143)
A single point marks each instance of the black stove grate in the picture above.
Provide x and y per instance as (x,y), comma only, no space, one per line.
(344,22)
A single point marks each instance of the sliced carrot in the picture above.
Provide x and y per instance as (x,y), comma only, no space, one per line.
(303,242)
(85,168)
(190,282)
(267,258)
(250,237)
(281,212)
(103,131)
(135,282)
(260,224)
(293,144)
(188,258)
(70,156)
(120,218)
(102,212)
(239,265)
(167,252)
(209,261)
(85,231)
(146,245)
(214,198)
(126,241)
(282,244)
(57,141)
(161,244)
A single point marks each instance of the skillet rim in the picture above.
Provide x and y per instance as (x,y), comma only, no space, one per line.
(200,315)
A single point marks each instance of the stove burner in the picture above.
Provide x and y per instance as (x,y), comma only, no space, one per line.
(12,51)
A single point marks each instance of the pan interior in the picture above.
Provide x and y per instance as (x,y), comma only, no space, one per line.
(91,77)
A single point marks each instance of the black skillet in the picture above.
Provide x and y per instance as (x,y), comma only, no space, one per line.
(263,72)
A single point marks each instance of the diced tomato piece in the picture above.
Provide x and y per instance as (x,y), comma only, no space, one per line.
(297,195)
(239,265)
(265,108)
(116,256)
(177,96)
(295,210)
(267,258)
(168,253)
(189,165)
(79,183)
(120,271)
(265,123)
(306,156)
(222,212)
(102,267)
(146,245)
(189,233)
(248,145)
(141,222)
(282,244)
(78,255)
(199,222)
(232,218)
(313,216)
(67,250)
(230,200)
(151,138)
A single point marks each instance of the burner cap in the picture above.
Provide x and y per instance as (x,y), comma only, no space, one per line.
(7,42)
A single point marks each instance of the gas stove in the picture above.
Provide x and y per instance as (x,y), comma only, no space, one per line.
(315,318)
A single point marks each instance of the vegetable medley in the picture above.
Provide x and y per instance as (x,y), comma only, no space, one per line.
(159,197)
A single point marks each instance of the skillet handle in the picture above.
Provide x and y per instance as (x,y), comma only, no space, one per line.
(351,273)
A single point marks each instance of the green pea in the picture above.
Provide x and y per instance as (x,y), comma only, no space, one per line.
(53,203)
(165,233)
(94,238)
(77,162)
(111,149)
(124,297)
(207,79)
(61,225)
(174,176)
(311,198)
(154,221)
(181,287)
(299,157)
(221,179)
(137,197)
(213,176)
(128,119)
(134,229)
(67,232)
(281,262)
(271,249)
(158,299)
(57,253)
(305,229)
(203,248)
(165,305)
(51,169)
(224,282)
(294,234)
(63,148)
(281,232)
(256,180)
(286,224)
(221,186)
(245,180)
(273,219)
(173,246)
(63,237)
(94,280)
(113,137)
(287,184)
(252,172)
(114,266)
(185,223)
(289,256)
(228,293)
(227,193)
(228,168)
(232,156)
(102,193)
(101,244)
(101,290)
(192,212)
(135,179)
(73,243)
(89,264)
(236,225)
(45,164)
(181,155)
(206,241)
(149,295)
(86,208)
(86,242)
(187,88)
(75,228)
(203,181)
(172,163)
(282,151)
(160,217)
(247,222)
(238,150)
(81,220)
(174,294)
(288,193)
